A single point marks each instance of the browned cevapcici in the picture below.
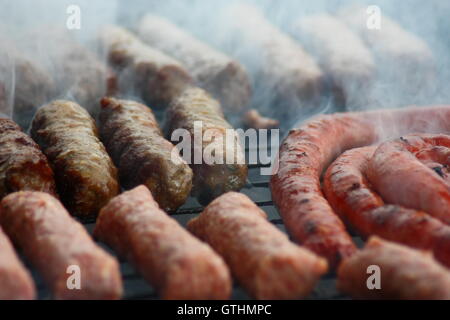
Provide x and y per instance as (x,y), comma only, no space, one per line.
(85,175)
(308,150)
(135,142)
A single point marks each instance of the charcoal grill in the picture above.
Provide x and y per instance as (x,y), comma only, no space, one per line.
(257,189)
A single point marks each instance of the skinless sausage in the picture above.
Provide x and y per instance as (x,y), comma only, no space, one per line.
(23,166)
(260,256)
(85,174)
(135,142)
(225,78)
(227,170)
(171,259)
(16,281)
(54,242)
(405,273)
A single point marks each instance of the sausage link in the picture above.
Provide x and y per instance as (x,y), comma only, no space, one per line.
(171,259)
(156,76)
(225,78)
(85,175)
(350,68)
(401,178)
(405,273)
(22,164)
(16,281)
(260,256)
(397,52)
(136,144)
(349,192)
(54,242)
(307,151)
(216,175)
(283,67)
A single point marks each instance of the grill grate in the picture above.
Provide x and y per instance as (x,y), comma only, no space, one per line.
(257,188)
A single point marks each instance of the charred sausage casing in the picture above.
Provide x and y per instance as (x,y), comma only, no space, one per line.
(401,177)
(349,192)
(22,164)
(16,281)
(176,263)
(85,175)
(405,273)
(136,144)
(58,246)
(260,256)
(152,74)
(219,74)
(214,174)
(307,151)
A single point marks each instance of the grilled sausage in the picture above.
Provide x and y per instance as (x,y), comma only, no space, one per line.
(86,178)
(136,144)
(349,192)
(22,164)
(215,174)
(401,178)
(55,243)
(282,66)
(171,259)
(307,151)
(260,256)
(225,78)
(342,55)
(405,273)
(397,52)
(17,283)
(76,71)
(152,74)
(24,84)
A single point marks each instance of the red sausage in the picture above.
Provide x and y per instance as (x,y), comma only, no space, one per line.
(349,193)
(401,178)
(307,151)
